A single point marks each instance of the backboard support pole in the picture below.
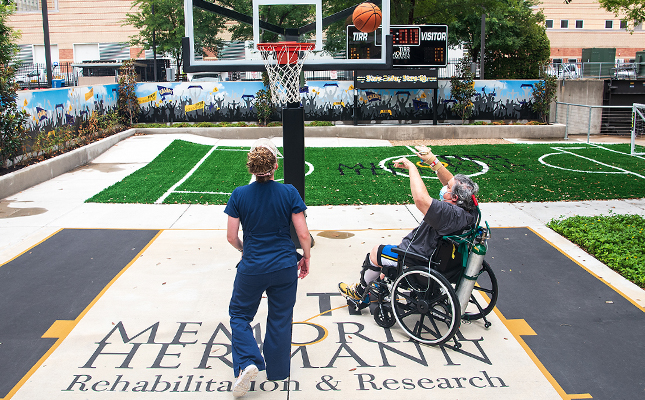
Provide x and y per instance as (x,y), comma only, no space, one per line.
(293,149)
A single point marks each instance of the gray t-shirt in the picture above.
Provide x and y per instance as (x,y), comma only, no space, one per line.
(441,219)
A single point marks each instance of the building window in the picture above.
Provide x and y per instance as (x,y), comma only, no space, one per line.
(549,24)
(564,23)
(623,24)
(609,24)
(35,5)
(579,23)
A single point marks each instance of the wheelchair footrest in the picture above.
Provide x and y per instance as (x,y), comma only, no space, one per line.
(357,304)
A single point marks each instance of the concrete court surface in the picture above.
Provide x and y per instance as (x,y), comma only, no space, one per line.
(159,326)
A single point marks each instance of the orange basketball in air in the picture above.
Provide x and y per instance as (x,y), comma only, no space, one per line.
(367,17)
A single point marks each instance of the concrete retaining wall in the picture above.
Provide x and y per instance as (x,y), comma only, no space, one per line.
(382,131)
(34,174)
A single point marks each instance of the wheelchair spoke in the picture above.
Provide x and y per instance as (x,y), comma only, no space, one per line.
(418,326)
(481,289)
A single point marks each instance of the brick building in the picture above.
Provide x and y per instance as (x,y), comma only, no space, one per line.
(583,24)
(78,30)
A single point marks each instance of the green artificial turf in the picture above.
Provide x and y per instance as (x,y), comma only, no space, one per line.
(149,183)
(353,175)
(616,240)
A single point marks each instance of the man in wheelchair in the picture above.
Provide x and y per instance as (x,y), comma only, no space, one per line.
(453,211)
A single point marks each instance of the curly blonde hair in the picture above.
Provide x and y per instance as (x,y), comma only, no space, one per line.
(261,162)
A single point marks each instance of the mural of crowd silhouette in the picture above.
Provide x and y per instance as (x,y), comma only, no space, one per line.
(333,103)
(174,102)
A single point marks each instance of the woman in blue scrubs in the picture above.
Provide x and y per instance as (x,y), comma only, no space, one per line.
(269,264)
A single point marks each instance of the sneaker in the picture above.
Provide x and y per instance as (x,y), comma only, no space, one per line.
(350,292)
(243,382)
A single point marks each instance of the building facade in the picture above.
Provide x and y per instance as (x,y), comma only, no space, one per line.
(78,30)
(584,24)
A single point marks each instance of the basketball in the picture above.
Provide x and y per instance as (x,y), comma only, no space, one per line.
(367,17)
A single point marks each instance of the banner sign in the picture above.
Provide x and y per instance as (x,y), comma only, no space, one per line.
(397,79)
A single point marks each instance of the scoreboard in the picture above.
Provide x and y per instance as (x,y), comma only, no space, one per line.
(413,45)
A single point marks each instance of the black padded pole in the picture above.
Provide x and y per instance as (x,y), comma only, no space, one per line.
(293,143)
(293,148)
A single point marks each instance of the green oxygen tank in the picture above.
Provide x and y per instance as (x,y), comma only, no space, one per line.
(470,275)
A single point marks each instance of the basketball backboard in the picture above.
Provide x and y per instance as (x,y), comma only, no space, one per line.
(313,31)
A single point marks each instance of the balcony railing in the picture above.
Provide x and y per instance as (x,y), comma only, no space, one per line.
(597,70)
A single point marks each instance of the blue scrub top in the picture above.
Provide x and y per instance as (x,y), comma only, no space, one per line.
(264,210)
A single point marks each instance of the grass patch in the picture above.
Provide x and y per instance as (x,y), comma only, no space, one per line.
(365,175)
(149,183)
(616,240)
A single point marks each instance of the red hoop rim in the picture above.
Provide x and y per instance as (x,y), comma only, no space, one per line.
(289,46)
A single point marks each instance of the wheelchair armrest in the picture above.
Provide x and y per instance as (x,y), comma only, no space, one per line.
(418,259)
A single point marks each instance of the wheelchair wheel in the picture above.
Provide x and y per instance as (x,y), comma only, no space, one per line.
(487,287)
(425,306)
(384,316)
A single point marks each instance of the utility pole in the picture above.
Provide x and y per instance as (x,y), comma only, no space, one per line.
(481,53)
(154,44)
(48,54)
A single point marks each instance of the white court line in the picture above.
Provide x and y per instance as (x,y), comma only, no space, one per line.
(161,199)
(194,192)
(563,151)
(616,151)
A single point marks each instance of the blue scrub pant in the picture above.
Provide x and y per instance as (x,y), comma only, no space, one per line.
(280,287)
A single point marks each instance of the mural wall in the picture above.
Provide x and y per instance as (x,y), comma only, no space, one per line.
(234,101)
(53,108)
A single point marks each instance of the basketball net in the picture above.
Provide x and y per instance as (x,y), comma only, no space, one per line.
(283,62)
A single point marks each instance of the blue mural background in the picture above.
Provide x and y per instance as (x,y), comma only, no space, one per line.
(234,101)
(53,108)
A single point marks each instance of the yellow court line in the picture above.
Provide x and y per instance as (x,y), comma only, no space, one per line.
(591,272)
(60,329)
(30,248)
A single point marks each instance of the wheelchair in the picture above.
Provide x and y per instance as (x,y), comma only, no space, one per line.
(429,298)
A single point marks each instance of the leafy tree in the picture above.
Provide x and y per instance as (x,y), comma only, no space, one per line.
(167,23)
(127,102)
(462,89)
(516,42)
(631,11)
(12,120)
(544,92)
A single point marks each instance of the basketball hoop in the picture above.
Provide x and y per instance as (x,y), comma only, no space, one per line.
(283,62)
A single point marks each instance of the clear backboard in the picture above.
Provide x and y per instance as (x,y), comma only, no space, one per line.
(312,31)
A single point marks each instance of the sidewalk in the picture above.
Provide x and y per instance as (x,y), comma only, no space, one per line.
(184,275)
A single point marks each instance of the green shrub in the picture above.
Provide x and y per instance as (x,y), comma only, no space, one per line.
(127,102)
(616,240)
(320,123)
(264,106)
(12,120)
(462,89)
